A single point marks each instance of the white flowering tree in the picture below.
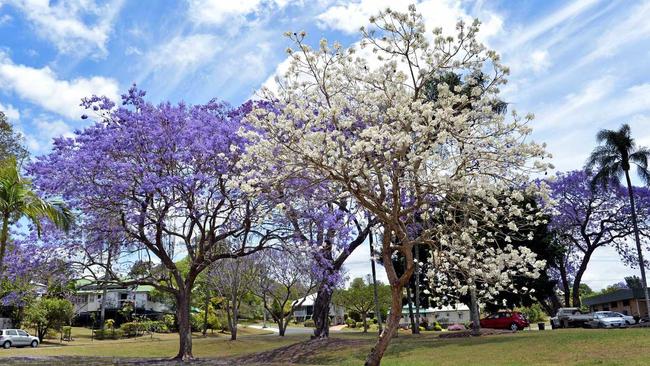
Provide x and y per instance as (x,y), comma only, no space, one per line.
(475,256)
(363,120)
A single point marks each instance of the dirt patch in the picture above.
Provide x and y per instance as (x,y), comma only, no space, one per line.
(298,352)
(468,333)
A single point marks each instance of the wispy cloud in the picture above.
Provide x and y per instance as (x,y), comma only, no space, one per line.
(65,23)
(349,17)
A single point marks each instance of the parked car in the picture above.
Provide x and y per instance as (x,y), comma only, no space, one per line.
(629,319)
(17,338)
(505,320)
(603,319)
(570,318)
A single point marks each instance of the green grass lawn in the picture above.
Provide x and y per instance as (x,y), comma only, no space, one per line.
(559,347)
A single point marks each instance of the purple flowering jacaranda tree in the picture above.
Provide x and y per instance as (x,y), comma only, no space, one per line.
(330,227)
(167,174)
(587,218)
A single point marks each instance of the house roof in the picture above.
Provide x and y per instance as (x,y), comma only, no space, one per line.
(309,300)
(618,295)
(87,286)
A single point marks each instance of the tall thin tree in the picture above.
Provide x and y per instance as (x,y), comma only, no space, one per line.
(612,159)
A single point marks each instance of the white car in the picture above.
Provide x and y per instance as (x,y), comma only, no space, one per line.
(603,319)
(629,319)
(17,338)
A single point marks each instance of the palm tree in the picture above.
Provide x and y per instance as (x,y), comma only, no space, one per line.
(612,160)
(18,200)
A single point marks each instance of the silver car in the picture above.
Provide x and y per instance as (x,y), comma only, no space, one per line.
(17,338)
(628,318)
(603,319)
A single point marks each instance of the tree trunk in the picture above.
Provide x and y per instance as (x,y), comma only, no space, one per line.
(365,322)
(184,324)
(282,327)
(565,285)
(4,238)
(578,279)
(410,306)
(396,287)
(232,324)
(374,285)
(321,314)
(476,316)
(205,315)
(235,319)
(638,241)
(377,352)
(102,307)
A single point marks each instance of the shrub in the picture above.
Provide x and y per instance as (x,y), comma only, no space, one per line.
(350,323)
(374,321)
(170,322)
(359,324)
(196,321)
(132,329)
(109,324)
(437,327)
(310,323)
(67,333)
(108,334)
(157,326)
(534,314)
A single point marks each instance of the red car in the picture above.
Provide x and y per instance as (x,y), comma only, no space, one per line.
(505,320)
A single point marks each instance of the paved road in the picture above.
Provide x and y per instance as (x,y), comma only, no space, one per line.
(289,330)
(293,330)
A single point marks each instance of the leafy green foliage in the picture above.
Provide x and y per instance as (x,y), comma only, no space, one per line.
(359,297)
(11,142)
(49,314)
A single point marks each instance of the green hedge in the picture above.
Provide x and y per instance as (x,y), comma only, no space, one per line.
(108,334)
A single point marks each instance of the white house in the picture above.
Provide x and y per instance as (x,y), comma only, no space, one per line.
(445,315)
(306,309)
(88,298)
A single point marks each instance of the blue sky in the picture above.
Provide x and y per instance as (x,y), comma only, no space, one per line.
(578,66)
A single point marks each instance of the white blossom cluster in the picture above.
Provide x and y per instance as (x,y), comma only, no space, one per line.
(370,120)
(475,251)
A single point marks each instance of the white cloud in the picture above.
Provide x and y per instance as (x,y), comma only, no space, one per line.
(181,54)
(539,61)
(64,23)
(43,130)
(220,12)
(44,88)
(351,16)
(5,18)
(12,113)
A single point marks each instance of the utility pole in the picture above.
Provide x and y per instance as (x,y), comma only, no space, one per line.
(417,289)
(374,282)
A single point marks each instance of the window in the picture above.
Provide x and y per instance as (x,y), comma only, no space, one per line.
(123,296)
(613,304)
(99,297)
(22,333)
(626,302)
(460,315)
(12,332)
